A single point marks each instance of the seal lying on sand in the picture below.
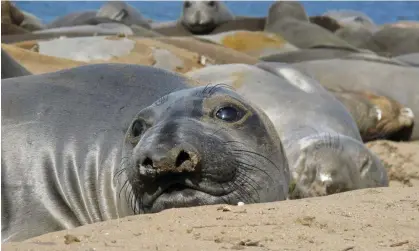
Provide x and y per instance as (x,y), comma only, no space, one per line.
(397,82)
(324,149)
(10,68)
(104,141)
(377,117)
(202,17)
(122,12)
(290,20)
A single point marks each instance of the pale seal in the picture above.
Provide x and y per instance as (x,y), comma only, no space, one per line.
(10,68)
(202,17)
(324,149)
(397,82)
(104,141)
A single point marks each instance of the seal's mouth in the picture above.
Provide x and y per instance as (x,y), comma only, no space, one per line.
(201,29)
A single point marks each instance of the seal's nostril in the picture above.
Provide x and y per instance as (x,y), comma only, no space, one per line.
(147,162)
(182,157)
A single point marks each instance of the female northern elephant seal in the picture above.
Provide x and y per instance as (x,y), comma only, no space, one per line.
(377,117)
(122,12)
(104,141)
(289,19)
(397,82)
(202,17)
(324,149)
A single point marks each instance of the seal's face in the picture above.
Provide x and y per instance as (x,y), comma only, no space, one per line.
(200,17)
(203,146)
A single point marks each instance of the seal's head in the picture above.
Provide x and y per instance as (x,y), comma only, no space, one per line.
(331,164)
(202,17)
(201,146)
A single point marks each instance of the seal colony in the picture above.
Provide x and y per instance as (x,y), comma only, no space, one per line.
(106,114)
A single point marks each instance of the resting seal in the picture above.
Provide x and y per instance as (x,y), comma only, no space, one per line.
(202,17)
(377,117)
(121,11)
(358,73)
(289,20)
(324,149)
(10,68)
(104,141)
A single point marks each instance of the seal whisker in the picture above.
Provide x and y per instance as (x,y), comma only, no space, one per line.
(248,181)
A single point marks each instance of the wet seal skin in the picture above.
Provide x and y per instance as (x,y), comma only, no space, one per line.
(202,17)
(138,140)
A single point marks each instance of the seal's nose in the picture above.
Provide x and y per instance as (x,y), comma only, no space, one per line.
(176,160)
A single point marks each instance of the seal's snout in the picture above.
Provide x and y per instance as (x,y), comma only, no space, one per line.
(176,160)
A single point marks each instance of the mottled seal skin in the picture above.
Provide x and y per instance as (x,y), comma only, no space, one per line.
(122,12)
(324,149)
(397,82)
(104,141)
(10,68)
(202,17)
(377,117)
(290,20)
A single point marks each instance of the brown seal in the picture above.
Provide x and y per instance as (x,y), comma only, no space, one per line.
(377,117)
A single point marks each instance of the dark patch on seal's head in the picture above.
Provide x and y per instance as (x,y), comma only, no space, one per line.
(201,146)
(202,17)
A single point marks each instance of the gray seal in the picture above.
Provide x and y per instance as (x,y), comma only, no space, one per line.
(202,17)
(359,73)
(121,11)
(104,141)
(290,20)
(10,68)
(324,149)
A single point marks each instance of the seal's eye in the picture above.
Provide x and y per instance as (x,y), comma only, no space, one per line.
(229,114)
(137,128)
(211,3)
(187,4)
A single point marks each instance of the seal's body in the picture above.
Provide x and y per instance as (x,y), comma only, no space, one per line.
(358,73)
(322,143)
(11,68)
(104,141)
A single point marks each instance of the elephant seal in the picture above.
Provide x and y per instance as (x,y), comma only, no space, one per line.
(352,18)
(289,20)
(411,58)
(10,68)
(394,81)
(395,41)
(306,55)
(324,149)
(202,17)
(377,117)
(73,19)
(105,141)
(11,18)
(122,12)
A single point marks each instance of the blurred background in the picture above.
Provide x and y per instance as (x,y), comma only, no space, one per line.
(381,12)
